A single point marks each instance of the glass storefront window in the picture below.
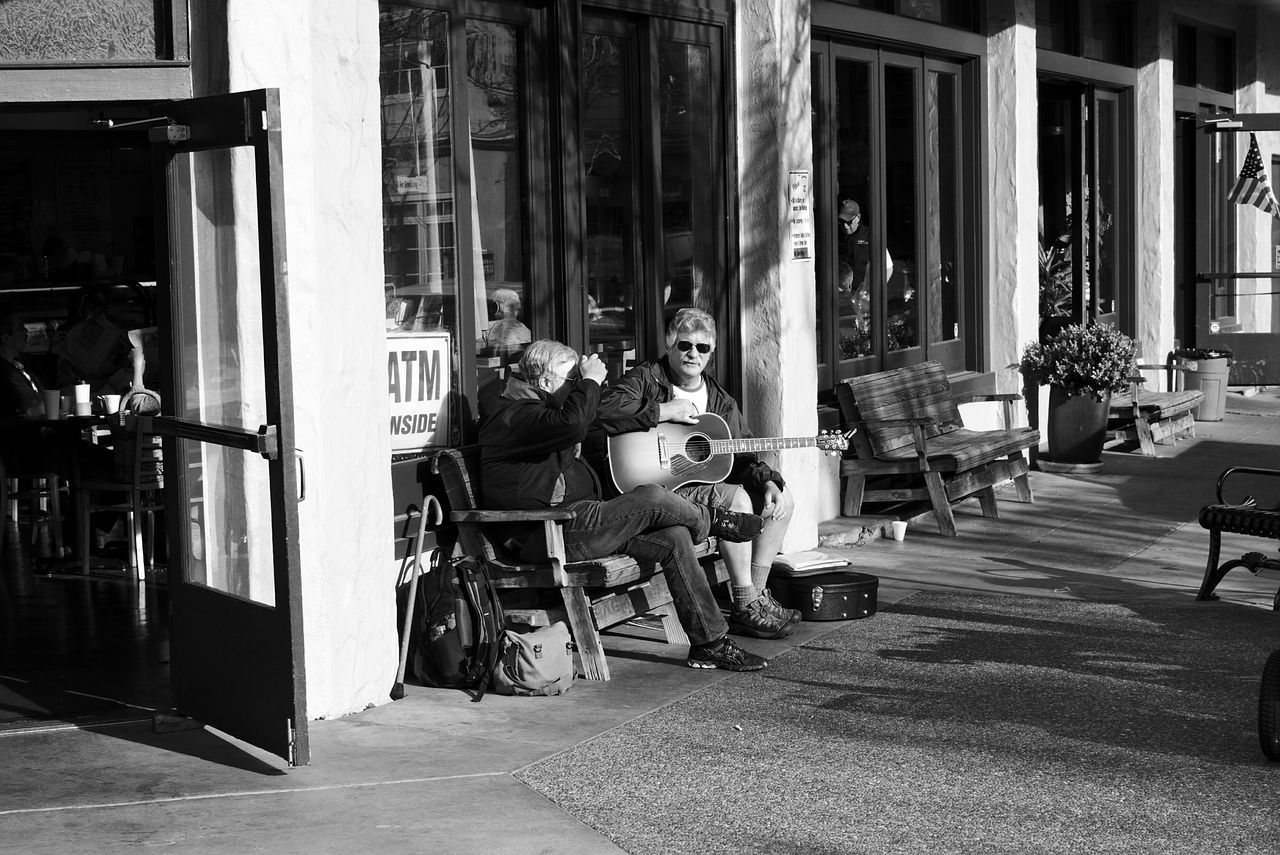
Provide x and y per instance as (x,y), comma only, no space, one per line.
(856,285)
(901,168)
(942,197)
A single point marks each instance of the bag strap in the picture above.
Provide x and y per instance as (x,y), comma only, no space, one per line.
(489,624)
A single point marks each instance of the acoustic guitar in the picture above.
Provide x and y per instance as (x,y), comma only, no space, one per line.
(674,454)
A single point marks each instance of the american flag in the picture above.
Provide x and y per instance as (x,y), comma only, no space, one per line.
(1253,187)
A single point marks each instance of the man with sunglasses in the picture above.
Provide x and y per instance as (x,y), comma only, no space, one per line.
(531,432)
(676,388)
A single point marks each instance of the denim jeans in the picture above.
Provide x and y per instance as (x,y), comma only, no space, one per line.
(649,523)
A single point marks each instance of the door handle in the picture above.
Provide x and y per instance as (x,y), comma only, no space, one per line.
(302,474)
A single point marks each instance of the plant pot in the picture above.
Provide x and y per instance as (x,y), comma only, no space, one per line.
(1077,426)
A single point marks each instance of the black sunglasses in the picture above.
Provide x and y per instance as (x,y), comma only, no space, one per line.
(685,345)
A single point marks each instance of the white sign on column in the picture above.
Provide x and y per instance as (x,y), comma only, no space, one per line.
(801,217)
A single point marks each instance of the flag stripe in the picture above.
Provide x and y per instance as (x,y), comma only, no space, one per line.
(1253,187)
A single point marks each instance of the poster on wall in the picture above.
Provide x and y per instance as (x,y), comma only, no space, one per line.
(419,388)
(801,217)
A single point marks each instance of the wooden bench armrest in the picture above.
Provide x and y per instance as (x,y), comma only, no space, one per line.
(975,397)
(921,421)
(480,516)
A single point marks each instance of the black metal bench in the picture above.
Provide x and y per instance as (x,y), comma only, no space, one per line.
(1243,517)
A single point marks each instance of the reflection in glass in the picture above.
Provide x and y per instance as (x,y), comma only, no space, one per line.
(608,76)
(942,171)
(227,491)
(901,107)
(419,246)
(494,106)
(1106,206)
(855,289)
(688,194)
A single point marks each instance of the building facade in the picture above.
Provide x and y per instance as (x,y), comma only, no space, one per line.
(845,186)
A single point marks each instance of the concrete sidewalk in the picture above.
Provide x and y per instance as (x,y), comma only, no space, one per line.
(432,772)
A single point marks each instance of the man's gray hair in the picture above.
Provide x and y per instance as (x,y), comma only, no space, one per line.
(690,320)
(541,355)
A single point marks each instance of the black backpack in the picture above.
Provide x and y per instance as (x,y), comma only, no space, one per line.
(458,621)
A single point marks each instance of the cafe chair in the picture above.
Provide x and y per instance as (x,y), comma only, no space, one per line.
(137,491)
(43,493)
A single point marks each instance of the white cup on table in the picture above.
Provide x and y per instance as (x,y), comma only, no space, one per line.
(110,403)
(899,529)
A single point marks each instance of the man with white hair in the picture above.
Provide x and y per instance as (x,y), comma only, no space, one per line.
(676,388)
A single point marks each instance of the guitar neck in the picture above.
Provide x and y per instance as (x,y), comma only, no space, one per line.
(734,446)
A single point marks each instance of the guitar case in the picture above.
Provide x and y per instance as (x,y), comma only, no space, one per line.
(839,595)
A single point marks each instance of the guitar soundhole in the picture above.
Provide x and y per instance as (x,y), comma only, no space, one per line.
(697,448)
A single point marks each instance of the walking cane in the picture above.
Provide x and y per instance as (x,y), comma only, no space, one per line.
(429,501)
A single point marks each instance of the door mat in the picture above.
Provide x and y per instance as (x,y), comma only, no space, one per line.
(955,723)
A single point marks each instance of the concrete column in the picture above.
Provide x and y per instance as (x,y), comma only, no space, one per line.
(323,56)
(1153,154)
(779,349)
(1013,272)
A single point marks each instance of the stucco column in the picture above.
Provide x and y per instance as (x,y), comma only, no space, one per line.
(1153,154)
(1013,261)
(779,363)
(323,57)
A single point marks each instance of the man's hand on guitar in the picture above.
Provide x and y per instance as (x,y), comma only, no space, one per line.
(777,502)
(591,368)
(678,410)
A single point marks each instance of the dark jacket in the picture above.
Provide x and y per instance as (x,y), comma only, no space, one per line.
(632,403)
(529,444)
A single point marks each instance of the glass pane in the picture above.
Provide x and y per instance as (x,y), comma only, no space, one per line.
(419,232)
(494,96)
(1106,31)
(855,290)
(942,172)
(609,79)
(1053,25)
(220,375)
(901,106)
(688,186)
(35,30)
(1107,182)
(1059,168)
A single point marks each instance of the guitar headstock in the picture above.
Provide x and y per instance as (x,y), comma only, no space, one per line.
(833,442)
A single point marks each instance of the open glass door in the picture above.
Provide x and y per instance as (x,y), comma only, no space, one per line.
(236,639)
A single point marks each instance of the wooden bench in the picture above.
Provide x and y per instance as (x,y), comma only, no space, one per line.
(1148,417)
(1242,517)
(909,424)
(591,596)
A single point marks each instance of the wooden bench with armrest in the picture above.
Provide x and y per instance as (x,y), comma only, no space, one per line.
(590,596)
(1149,417)
(909,425)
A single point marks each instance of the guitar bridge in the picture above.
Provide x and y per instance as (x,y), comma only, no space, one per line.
(664,456)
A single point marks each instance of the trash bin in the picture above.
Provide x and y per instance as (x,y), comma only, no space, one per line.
(1208,373)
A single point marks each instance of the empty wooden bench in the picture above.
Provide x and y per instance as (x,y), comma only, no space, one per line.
(590,596)
(1150,417)
(1242,517)
(909,425)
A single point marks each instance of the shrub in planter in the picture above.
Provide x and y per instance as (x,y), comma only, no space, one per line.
(1093,360)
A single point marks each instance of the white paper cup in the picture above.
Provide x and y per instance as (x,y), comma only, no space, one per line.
(82,393)
(899,529)
(52,403)
(84,408)
(110,404)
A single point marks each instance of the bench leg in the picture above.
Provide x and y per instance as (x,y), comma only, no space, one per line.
(987,501)
(941,504)
(1022,483)
(590,650)
(854,487)
(1145,441)
(671,624)
(1211,575)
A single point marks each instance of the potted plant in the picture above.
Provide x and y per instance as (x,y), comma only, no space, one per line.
(1082,365)
(1206,369)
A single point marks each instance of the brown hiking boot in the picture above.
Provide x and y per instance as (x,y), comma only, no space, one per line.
(792,615)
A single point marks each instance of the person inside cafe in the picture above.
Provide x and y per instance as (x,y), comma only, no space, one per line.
(676,388)
(531,431)
(92,349)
